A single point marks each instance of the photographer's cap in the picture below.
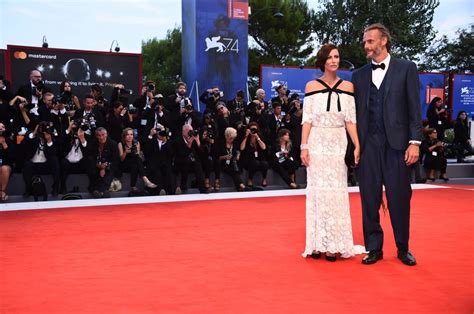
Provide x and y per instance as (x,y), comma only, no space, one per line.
(220,105)
(158,96)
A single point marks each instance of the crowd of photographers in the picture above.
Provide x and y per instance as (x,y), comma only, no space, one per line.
(154,138)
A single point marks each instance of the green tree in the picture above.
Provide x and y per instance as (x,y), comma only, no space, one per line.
(451,56)
(342,22)
(162,60)
(279,39)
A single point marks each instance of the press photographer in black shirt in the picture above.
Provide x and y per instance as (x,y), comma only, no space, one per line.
(190,116)
(74,154)
(41,155)
(210,157)
(229,156)
(174,104)
(131,160)
(283,158)
(187,158)
(6,111)
(253,154)
(434,160)
(211,97)
(117,120)
(159,154)
(105,157)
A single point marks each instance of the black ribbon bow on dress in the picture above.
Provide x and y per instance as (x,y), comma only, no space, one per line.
(376,66)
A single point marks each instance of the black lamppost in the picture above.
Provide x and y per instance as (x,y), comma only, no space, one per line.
(117,48)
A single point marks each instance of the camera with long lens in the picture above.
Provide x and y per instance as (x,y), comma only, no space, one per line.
(66,99)
(185,103)
(253,130)
(234,163)
(37,88)
(132,109)
(150,88)
(123,91)
(86,123)
(3,133)
(45,127)
(192,133)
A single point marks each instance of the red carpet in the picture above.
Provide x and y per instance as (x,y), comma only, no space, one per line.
(239,256)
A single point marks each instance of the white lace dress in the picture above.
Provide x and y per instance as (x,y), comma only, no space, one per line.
(328,220)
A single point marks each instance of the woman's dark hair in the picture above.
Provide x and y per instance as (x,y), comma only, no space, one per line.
(63,83)
(429,131)
(434,101)
(117,104)
(458,118)
(323,55)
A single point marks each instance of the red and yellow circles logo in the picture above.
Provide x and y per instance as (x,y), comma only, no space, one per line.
(20,55)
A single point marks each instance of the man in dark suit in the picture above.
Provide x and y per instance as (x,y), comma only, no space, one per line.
(389,128)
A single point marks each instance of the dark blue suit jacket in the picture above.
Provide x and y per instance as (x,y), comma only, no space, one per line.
(401,108)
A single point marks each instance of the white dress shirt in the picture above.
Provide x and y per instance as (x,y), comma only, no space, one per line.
(378,74)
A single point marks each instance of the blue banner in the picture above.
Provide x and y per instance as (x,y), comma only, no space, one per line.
(431,85)
(295,78)
(463,94)
(215,49)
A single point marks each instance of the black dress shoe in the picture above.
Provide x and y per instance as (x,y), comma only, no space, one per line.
(407,258)
(372,257)
(331,258)
(315,255)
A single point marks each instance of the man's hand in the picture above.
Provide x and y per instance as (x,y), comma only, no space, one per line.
(412,154)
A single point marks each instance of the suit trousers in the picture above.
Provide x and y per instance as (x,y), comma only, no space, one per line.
(382,165)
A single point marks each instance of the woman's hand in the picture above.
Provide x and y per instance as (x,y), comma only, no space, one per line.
(357,155)
(305,157)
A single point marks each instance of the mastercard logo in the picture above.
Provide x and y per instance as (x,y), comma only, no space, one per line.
(20,55)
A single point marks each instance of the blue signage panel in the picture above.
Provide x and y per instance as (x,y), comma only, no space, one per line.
(295,78)
(215,49)
(431,85)
(463,94)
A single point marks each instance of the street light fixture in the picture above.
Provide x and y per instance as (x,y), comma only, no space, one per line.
(45,42)
(117,48)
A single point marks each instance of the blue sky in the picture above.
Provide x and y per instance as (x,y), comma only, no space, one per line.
(93,25)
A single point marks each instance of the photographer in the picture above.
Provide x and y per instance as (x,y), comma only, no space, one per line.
(7,157)
(253,150)
(211,97)
(283,158)
(257,108)
(189,116)
(187,159)
(33,92)
(282,98)
(433,150)
(147,98)
(117,120)
(275,121)
(437,117)
(462,138)
(91,117)
(74,154)
(174,104)
(159,155)
(157,116)
(229,156)
(71,102)
(294,126)
(6,111)
(104,155)
(100,103)
(237,108)
(210,157)
(55,112)
(41,156)
(131,160)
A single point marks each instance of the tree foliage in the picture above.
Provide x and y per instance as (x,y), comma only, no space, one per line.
(451,56)
(162,60)
(279,39)
(342,22)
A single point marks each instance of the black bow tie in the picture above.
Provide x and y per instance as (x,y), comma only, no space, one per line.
(376,66)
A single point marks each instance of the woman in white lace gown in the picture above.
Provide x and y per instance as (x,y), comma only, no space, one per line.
(329,109)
